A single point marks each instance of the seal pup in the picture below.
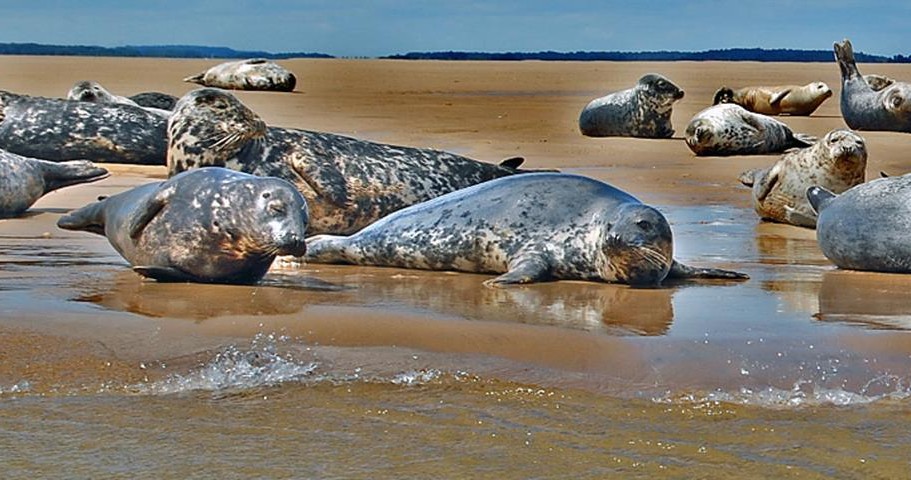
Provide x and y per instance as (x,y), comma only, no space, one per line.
(210,225)
(348,183)
(162,101)
(865,108)
(55,129)
(642,111)
(252,74)
(785,99)
(837,163)
(91,91)
(866,227)
(25,180)
(729,129)
(529,228)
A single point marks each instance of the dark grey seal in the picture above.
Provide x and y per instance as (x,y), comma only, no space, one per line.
(348,183)
(158,100)
(25,180)
(252,74)
(57,130)
(729,129)
(866,108)
(211,225)
(529,228)
(642,111)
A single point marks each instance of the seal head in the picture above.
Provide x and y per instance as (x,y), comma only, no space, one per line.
(638,246)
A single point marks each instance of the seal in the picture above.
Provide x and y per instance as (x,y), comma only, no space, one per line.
(784,99)
(58,130)
(865,108)
(211,225)
(866,227)
(837,163)
(529,228)
(91,91)
(25,180)
(729,129)
(251,74)
(642,111)
(348,183)
(162,101)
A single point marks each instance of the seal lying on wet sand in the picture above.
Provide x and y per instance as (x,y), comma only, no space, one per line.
(211,225)
(641,111)
(729,129)
(530,228)
(785,99)
(348,183)
(25,180)
(252,74)
(864,107)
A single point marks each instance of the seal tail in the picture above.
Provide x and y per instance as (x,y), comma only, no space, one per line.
(844,55)
(748,177)
(819,198)
(803,140)
(327,249)
(89,218)
(64,174)
(198,78)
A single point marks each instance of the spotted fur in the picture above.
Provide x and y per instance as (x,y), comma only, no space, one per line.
(252,74)
(25,180)
(162,101)
(642,111)
(729,129)
(866,108)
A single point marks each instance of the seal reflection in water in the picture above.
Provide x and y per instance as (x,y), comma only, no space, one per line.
(641,111)
(210,225)
(529,228)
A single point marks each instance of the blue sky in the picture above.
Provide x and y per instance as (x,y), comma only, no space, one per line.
(381,27)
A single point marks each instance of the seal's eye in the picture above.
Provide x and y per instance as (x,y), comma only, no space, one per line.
(267,194)
(644,224)
(896,101)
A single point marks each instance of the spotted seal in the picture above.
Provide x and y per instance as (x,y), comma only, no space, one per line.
(25,180)
(348,183)
(784,99)
(529,228)
(865,108)
(729,129)
(57,130)
(162,101)
(866,227)
(91,91)
(210,225)
(642,111)
(837,163)
(251,74)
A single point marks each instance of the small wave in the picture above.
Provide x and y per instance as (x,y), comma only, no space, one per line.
(23,386)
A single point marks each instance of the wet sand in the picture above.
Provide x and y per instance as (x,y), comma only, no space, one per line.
(385,372)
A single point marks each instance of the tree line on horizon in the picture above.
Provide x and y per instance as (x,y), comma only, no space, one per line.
(153,51)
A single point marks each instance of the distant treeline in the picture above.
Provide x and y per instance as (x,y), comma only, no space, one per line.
(158,51)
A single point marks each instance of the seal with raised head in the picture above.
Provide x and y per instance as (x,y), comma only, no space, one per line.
(528,228)
(866,227)
(865,108)
(784,99)
(91,91)
(25,180)
(729,129)
(211,225)
(348,183)
(55,129)
(251,74)
(642,111)
(837,163)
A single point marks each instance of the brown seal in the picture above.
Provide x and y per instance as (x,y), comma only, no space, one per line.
(785,99)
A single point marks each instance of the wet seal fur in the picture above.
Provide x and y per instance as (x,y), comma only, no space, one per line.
(57,130)
(25,180)
(729,129)
(210,225)
(784,99)
(642,111)
(866,227)
(530,228)
(348,183)
(862,105)
(837,163)
(252,74)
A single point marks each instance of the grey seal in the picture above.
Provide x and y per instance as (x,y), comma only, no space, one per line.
(92,91)
(778,100)
(57,130)
(162,101)
(25,180)
(865,108)
(837,162)
(251,74)
(642,111)
(866,227)
(210,225)
(729,129)
(529,228)
(348,183)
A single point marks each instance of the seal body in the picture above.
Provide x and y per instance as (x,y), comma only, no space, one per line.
(57,130)
(162,101)
(878,82)
(529,228)
(837,162)
(866,108)
(866,227)
(25,180)
(252,74)
(210,225)
(785,99)
(642,111)
(348,183)
(729,129)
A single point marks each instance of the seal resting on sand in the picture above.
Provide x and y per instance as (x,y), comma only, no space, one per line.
(785,99)
(210,225)
(91,91)
(25,180)
(529,228)
(728,129)
(866,108)
(252,74)
(348,183)
(641,111)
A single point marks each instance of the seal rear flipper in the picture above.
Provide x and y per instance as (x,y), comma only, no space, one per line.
(89,218)
(680,271)
(819,198)
(530,269)
(804,140)
(512,162)
(164,274)
(63,174)
(149,209)
(198,78)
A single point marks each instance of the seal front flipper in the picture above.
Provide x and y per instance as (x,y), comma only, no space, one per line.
(528,269)
(767,182)
(778,97)
(819,198)
(148,210)
(681,271)
(164,274)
